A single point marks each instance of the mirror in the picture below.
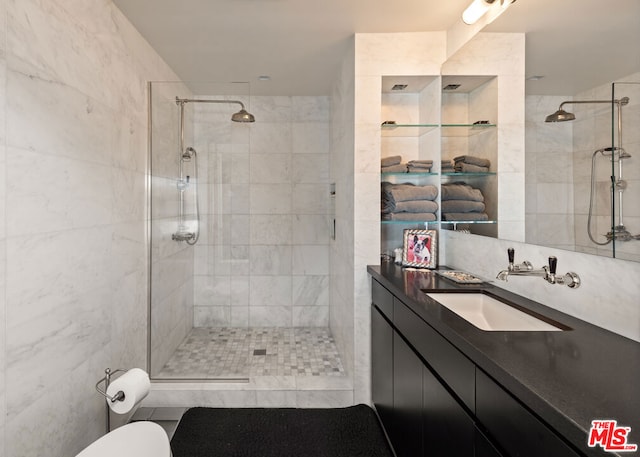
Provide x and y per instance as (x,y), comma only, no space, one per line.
(583,176)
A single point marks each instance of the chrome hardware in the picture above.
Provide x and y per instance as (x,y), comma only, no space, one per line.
(547,272)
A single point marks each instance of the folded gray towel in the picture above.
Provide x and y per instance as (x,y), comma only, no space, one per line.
(412,206)
(401,168)
(420,162)
(404,192)
(413,217)
(462,206)
(465,217)
(469,168)
(412,168)
(473,160)
(388,161)
(461,191)
(418,170)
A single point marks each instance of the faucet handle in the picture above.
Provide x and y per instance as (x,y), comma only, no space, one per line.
(511,253)
(553,264)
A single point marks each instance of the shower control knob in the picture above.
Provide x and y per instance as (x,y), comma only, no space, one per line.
(511,253)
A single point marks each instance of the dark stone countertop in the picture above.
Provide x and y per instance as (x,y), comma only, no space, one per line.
(566,378)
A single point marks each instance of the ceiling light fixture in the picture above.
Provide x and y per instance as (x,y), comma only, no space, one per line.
(479,8)
(475,11)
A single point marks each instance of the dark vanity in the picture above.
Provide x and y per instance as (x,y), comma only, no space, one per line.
(442,386)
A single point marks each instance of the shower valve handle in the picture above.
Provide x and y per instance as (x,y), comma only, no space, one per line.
(553,264)
(511,253)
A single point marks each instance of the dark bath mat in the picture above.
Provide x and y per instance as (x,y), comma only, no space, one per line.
(280,432)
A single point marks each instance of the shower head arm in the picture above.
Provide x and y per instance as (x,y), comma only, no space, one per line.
(621,102)
(183,101)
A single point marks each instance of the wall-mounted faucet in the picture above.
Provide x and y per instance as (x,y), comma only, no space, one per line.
(548,273)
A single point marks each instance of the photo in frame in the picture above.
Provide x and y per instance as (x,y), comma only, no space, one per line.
(420,248)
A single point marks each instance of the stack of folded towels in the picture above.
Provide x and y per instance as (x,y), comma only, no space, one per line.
(446,166)
(471,164)
(394,164)
(461,202)
(419,166)
(408,202)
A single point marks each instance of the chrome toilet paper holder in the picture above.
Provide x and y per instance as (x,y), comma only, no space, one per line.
(119,396)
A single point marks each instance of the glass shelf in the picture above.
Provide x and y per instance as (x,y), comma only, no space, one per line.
(455,174)
(448,130)
(407,174)
(454,223)
(394,222)
(465,130)
(410,130)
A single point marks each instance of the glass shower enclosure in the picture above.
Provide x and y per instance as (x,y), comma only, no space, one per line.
(198,164)
(239,231)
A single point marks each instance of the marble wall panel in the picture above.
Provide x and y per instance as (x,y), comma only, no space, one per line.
(265,208)
(73,256)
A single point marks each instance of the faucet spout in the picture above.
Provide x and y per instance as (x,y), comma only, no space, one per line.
(503,275)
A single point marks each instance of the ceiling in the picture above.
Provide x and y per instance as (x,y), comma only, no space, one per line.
(299,44)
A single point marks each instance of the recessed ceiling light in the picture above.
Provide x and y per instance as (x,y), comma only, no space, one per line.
(535,78)
(264,78)
(399,87)
(451,86)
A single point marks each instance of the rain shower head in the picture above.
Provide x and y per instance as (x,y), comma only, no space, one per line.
(240,116)
(243,116)
(562,115)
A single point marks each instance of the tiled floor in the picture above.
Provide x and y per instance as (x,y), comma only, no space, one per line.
(247,352)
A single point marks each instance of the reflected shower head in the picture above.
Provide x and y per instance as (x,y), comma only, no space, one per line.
(243,116)
(560,116)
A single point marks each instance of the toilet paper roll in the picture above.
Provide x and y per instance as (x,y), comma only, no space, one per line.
(135,384)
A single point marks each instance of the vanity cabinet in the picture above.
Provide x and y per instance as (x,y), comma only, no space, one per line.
(433,400)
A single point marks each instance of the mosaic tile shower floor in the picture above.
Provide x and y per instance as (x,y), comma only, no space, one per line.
(247,352)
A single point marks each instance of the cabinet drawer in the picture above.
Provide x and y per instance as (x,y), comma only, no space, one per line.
(513,427)
(457,371)
(382,298)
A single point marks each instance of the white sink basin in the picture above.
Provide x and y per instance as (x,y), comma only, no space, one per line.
(490,314)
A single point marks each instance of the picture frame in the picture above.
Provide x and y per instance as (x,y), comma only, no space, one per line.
(420,248)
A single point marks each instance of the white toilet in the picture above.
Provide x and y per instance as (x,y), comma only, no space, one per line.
(137,439)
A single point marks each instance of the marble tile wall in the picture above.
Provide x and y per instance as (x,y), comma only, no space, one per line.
(3,244)
(72,231)
(263,257)
(549,175)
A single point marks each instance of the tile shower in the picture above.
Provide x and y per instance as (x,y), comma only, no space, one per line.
(262,260)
